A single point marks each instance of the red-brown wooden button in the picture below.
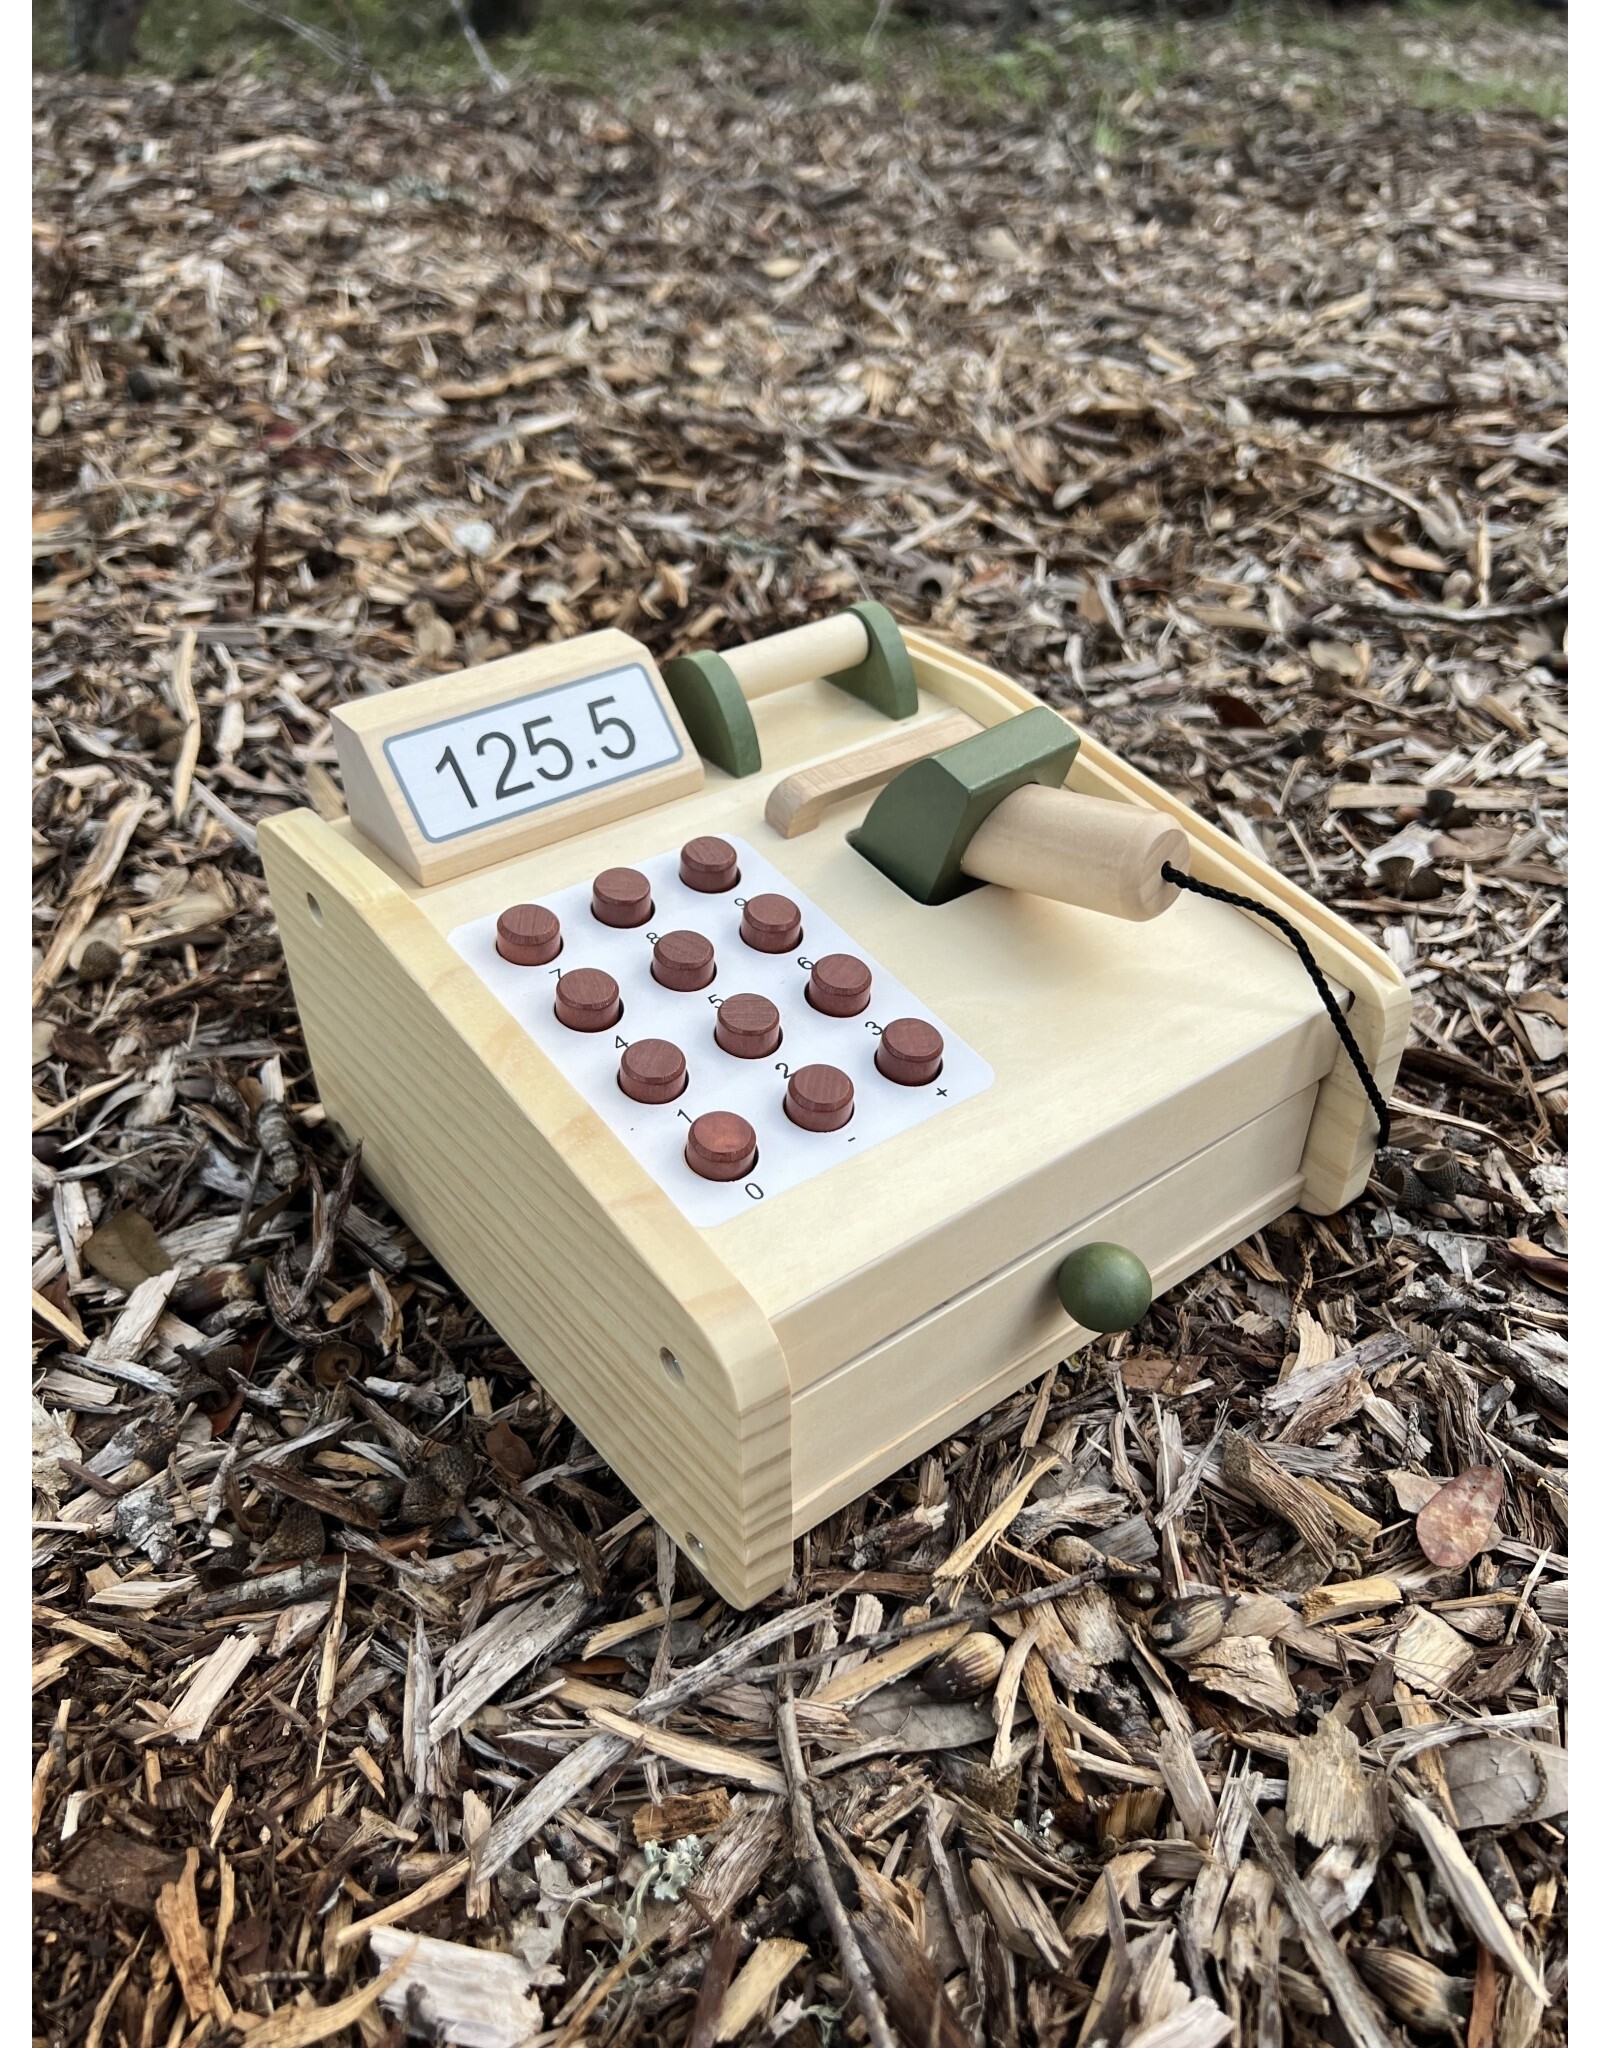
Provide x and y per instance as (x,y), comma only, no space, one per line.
(527,935)
(709,865)
(819,1099)
(622,898)
(840,985)
(587,999)
(748,1027)
(771,924)
(721,1146)
(653,1070)
(910,1052)
(684,960)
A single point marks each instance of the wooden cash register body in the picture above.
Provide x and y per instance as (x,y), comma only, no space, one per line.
(1170,1086)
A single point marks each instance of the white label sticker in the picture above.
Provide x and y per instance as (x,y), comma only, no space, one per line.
(486,766)
(754,1089)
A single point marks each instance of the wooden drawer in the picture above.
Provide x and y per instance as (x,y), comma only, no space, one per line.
(894,1401)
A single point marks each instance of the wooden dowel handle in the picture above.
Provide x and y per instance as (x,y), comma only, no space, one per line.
(801,655)
(1084,850)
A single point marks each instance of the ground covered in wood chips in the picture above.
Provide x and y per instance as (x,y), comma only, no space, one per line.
(1238,434)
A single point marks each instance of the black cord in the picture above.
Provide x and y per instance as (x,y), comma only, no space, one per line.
(1319,981)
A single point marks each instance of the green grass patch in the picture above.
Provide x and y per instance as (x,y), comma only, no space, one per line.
(1486,54)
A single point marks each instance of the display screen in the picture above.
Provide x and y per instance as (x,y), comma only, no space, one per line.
(486,766)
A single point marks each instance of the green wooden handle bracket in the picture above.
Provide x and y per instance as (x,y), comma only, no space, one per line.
(716,711)
(713,708)
(921,823)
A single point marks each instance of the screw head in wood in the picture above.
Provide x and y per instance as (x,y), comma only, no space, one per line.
(910,1052)
(527,935)
(720,1146)
(840,985)
(749,1027)
(819,1098)
(684,960)
(1104,1286)
(709,865)
(622,898)
(771,924)
(653,1070)
(587,999)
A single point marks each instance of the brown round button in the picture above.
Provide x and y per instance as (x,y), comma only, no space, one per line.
(587,999)
(819,1099)
(840,985)
(910,1052)
(622,898)
(709,865)
(721,1146)
(684,960)
(527,935)
(748,1027)
(771,924)
(653,1070)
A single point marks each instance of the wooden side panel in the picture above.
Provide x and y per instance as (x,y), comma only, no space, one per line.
(865,1420)
(573,1254)
(1341,1140)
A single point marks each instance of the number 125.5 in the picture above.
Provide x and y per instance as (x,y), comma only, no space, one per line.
(495,744)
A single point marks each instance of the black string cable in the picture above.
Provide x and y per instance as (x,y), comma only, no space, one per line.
(1319,981)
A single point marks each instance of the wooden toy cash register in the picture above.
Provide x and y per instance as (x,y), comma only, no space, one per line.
(794,1053)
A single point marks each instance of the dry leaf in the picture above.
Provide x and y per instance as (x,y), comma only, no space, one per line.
(125,1250)
(508,1451)
(1455,1525)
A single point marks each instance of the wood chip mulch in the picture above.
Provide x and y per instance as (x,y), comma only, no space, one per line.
(358,1721)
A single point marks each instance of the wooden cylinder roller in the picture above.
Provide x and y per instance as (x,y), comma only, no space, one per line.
(992,809)
(859,651)
(801,655)
(1083,850)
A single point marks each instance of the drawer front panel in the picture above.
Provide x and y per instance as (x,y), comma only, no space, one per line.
(866,1419)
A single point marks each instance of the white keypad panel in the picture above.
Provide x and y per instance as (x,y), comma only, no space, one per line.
(655,1132)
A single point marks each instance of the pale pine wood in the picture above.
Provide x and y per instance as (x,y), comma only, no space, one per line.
(796,804)
(576,1257)
(894,1401)
(1339,1146)
(1117,1047)
(1086,850)
(1153,1079)
(378,807)
(802,655)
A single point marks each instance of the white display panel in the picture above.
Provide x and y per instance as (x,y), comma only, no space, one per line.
(655,1133)
(486,766)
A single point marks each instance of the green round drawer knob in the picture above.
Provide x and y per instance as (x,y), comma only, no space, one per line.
(1104,1286)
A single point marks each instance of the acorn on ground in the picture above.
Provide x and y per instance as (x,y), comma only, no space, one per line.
(1417,1992)
(1181,1629)
(966,1671)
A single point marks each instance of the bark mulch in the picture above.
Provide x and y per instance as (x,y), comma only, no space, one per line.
(1246,448)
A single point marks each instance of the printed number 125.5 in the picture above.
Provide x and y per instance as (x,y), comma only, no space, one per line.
(504,788)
